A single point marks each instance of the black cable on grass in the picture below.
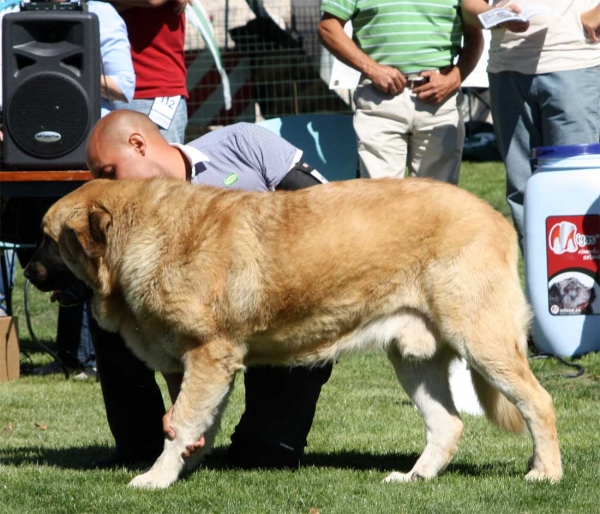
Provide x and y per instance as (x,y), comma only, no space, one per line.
(579,367)
(26,368)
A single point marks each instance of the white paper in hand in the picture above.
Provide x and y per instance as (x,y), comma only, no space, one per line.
(495,17)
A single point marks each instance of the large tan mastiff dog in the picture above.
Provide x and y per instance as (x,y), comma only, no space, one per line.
(208,281)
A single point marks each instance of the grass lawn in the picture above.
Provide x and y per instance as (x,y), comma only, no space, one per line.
(365,427)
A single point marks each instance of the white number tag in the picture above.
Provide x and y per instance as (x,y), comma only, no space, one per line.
(163,110)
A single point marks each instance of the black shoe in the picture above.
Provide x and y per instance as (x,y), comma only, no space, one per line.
(248,452)
(54,368)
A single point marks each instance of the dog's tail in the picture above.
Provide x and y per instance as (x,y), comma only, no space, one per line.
(496,406)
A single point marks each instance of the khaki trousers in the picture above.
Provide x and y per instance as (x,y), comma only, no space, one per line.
(395,132)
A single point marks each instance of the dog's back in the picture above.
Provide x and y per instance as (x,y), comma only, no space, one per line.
(320,262)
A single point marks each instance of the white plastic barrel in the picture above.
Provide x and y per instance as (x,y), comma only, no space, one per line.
(562,248)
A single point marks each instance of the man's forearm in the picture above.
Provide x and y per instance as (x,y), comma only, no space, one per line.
(470,10)
(471,51)
(333,37)
(110,89)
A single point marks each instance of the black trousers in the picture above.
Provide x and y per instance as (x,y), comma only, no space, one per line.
(280,402)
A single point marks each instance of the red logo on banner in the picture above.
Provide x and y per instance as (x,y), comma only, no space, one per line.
(573,242)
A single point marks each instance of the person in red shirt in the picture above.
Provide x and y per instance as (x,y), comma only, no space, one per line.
(156,31)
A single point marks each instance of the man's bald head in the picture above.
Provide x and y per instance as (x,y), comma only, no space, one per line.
(127,144)
(117,126)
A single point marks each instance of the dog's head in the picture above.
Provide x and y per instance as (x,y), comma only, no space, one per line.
(571,294)
(74,241)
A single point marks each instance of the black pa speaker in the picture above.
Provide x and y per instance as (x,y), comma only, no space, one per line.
(50,88)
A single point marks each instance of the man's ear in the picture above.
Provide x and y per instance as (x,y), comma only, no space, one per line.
(93,236)
(138,142)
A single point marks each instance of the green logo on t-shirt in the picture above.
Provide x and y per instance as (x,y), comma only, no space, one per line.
(231,179)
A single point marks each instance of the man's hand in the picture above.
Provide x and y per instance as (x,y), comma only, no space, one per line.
(387,79)
(441,85)
(591,24)
(171,434)
(332,36)
(472,8)
(513,26)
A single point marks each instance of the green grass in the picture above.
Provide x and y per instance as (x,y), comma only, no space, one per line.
(365,427)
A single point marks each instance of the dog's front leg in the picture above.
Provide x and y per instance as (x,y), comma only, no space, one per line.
(209,370)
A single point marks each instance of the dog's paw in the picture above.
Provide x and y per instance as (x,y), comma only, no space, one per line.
(536,475)
(151,480)
(396,476)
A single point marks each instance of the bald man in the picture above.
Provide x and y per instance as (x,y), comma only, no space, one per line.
(280,402)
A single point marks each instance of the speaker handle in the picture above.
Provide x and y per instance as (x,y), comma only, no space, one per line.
(49,5)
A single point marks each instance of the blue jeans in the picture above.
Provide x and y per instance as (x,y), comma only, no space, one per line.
(529,111)
(176,131)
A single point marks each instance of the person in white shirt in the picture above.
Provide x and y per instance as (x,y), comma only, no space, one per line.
(544,76)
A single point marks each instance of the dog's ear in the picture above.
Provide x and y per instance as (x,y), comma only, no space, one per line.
(91,236)
(100,221)
(555,295)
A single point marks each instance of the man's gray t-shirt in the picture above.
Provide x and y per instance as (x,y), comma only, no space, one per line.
(242,156)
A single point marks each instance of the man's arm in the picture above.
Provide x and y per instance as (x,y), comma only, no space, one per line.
(471,9)
(470,52)
(332,36)
(110,89)
(118,78)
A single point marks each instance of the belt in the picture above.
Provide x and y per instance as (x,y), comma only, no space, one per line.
(414,80)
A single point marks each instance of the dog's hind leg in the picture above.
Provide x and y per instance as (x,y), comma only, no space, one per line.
(427,384)
(208,377)
(507,371)
(493,340)
(484,316)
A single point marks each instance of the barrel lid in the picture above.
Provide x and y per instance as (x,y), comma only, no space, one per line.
(562,152)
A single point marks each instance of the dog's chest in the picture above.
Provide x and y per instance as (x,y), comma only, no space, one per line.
(157,348)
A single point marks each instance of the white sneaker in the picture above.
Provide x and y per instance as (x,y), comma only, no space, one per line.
(86,374)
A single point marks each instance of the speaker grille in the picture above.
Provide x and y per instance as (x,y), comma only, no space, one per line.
(48,103)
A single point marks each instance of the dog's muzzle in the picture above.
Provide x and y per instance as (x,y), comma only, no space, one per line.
(66,289)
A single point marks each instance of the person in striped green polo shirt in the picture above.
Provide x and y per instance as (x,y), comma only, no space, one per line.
(406,102)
